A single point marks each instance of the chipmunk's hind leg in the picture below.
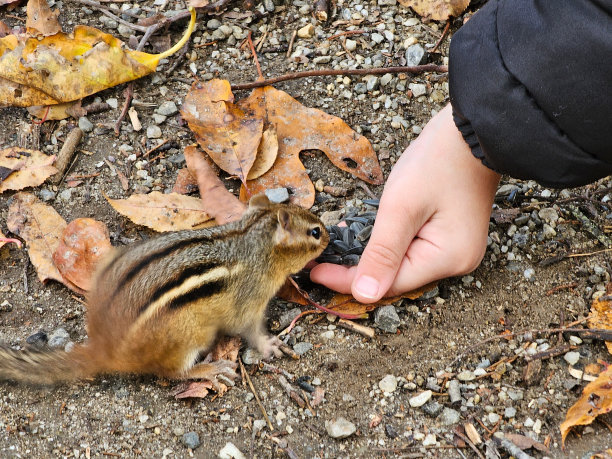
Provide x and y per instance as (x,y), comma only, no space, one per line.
(210,372)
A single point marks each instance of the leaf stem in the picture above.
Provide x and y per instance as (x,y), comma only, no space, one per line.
(183,40)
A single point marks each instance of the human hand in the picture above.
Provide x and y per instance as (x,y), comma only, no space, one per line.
(432,221)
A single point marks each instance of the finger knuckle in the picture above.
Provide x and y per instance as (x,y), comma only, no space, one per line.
(382,255)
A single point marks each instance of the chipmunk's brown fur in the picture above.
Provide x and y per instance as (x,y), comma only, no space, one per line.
(157,306)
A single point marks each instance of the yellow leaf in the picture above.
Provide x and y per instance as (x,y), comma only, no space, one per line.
(62,68)
(163,212)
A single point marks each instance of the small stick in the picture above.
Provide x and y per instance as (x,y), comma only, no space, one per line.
(368,332)
(469,443)
(291,392)
(25,275)
(444,32)
(343,44)
(288,351)
(549,353)
(261,407)
(348,32)
(254,53)
(264,366)
(209,43)
(66,153)
(127,93)
(511,448)
(575,255)
(293,35)
(165,141)
(96,107)
(415,70)
(558,288)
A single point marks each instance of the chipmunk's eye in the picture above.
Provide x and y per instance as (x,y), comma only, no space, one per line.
(315,232)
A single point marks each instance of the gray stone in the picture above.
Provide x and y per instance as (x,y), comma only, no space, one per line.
(432,408)
(269,6)
(38,339)
(449,417)
(414,55)
(420,399)
(158,119)
(46,195)
(340,428)
(154,132)
(191,440)
(59,338)
(529,274)
(548,232)
(377,38)
(231,451)
(124,30)
(278,195)
(387,2)
(510,412)
(350,45)
(493,418)
(302,348)
(167,108)
(454,391)
(506,189)
(372,82)
(85,125)
(386,79)
(177,159)
(65,195)
(432,383)
(572,357)
(549,215)
(466,375)
(213,24)
(388,383)
(361,88)
(430,440)
(418,89)
(112,102)
(287,316)
(515,394)
(386,319)
(251,357)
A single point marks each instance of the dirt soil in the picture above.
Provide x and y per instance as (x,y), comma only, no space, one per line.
(138,416)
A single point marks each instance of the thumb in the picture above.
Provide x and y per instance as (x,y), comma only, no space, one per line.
(393,232)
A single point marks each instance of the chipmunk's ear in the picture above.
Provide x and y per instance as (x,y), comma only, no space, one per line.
(259,201)
(283,233)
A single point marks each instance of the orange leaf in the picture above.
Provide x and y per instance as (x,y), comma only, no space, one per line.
(84,242)
(601,316)
(162,212)
(437,10)
(41,227)
(195,389)
(217,201)
(30,168)
(228,134)
(42,20)
(596,400)
(301,128)
(266,153)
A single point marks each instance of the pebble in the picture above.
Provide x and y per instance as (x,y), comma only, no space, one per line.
(191,440)
(432,408)
(509,412)
(38,339)
(154,132)
(414,55)
(493,418)
(421,399)
(302,348)
(537,426)
(278,195)
(575,339)
(515,394)
(46,195)
(388,384)
(529,274)
(167,108)
(85,125)
(350,45)
(449,417)
(286,317)
(112,102)
(418,89)
(340,428)
(372,82)
(454,391)
(430,440)
(213,24)
(386,319)
(386,79)
(306,32)
(506,189)
(158,119)
(231,451)
(59,338)
(466,375)
(572,357)
(377,38)
(549,215)
(251,357)
(327,335)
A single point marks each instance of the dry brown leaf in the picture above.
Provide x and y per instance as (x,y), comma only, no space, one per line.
(346,304)
(63,68)
(163,212)
(42,20)
(302,128)
(596,400)
(266,153)
(607,454)
(601,316)
(4,29)
(41,227)
(437,10)
(288,292)
(227,348)
(228,134)
(523,442)
(84,242)
(217,201)
(59,111)
(195,389)
(185,182)
(30,168)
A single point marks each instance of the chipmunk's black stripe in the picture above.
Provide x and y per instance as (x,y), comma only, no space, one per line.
(203,291)
(178,279)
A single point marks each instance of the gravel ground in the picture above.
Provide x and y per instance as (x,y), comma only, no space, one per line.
(401,394)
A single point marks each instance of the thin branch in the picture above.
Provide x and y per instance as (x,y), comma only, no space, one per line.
(415,70)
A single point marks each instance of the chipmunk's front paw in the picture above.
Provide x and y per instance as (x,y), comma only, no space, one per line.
(269,346)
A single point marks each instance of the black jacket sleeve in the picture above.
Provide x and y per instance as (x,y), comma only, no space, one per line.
(531,88)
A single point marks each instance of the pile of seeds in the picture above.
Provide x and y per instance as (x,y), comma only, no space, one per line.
(349,237)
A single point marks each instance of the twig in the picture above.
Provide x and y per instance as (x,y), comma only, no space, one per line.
(343,44)
(348,32)
(511,448)
(261,407)
(549,353)
(128,94)
(165,141)
(415,70)
(444,32)
(264,366)
(291,392)
(368,332)
(294,321)
(290,352)
(25,274)
(558,288)
(291,40)
(361,184)
(576,255)
(469,443)
(66,153)
(254,53)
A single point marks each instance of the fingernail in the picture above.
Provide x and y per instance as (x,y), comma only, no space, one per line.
(367,286)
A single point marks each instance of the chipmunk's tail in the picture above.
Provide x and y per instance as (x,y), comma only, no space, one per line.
(44,367)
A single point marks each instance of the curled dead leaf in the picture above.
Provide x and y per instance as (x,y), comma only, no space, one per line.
(41,20)
(601,316)
(83,243)
(41,227)
(21,168)
(437,10)
(163,212)
(266,153)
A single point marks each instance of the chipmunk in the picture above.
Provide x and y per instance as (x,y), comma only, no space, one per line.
(159,305)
